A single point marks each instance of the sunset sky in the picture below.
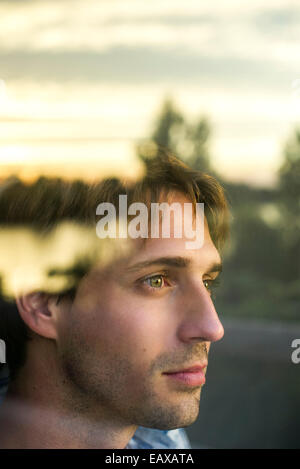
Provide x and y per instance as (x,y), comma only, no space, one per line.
(81,82)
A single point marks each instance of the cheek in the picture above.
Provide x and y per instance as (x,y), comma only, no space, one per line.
(128,328)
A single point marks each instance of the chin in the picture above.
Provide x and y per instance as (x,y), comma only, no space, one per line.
(170,419)
(180,423)
(184,421)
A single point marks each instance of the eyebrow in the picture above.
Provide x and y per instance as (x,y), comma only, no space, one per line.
(178,262)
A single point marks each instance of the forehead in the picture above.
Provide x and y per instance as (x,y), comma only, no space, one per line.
(153,248)
(174,248)
(142,252)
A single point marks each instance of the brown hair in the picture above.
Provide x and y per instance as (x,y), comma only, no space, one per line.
(167,173)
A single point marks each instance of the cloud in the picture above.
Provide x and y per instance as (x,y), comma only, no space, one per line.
(99,26)
(145,65)
(234,59)
(279,19)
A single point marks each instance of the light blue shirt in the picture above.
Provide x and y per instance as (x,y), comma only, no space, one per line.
(149,438)
(144,438)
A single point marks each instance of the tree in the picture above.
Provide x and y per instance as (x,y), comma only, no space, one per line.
(188,141)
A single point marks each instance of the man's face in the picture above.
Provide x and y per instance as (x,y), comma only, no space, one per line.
(135,328)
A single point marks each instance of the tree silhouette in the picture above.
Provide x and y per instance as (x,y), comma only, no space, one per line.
(188,141)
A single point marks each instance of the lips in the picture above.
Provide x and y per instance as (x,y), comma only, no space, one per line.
(192,369)
(192,376)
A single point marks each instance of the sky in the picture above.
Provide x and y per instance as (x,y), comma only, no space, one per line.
(81,82)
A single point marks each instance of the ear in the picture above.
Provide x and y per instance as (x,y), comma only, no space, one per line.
(39,312)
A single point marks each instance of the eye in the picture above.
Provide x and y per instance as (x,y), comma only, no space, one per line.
(156,282)
(211,284)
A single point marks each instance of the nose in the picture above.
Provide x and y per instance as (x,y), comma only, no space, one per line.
(199,320)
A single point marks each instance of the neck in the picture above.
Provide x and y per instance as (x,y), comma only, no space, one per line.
(42,411)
